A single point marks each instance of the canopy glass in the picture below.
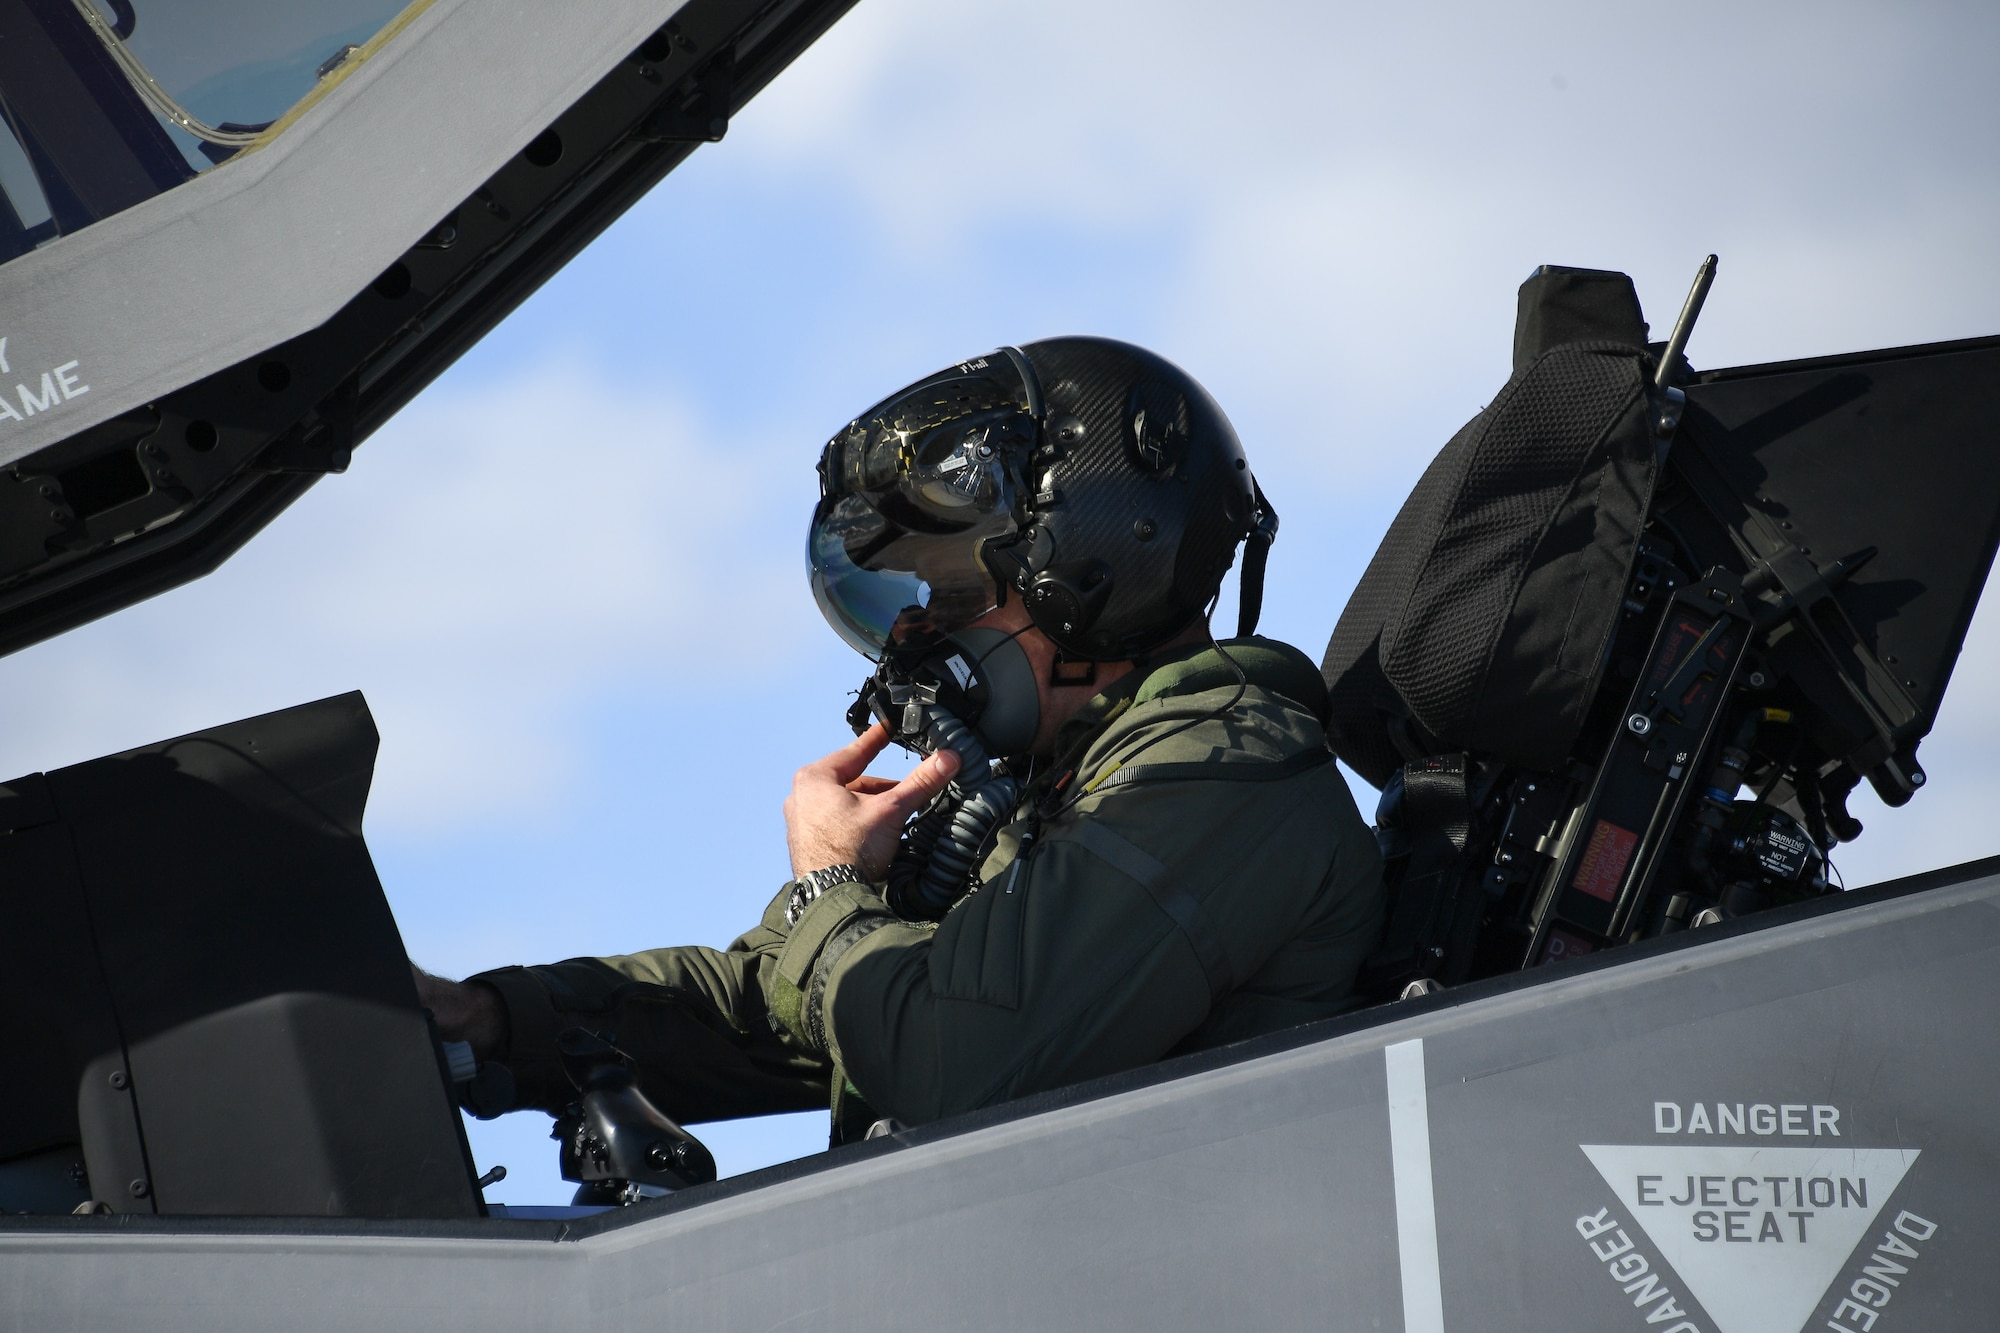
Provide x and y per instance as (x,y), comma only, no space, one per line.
(105,103)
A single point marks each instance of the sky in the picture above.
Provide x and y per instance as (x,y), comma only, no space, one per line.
(569,577)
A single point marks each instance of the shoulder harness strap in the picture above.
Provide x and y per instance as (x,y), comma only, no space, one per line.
(1208,771)
(1186,914)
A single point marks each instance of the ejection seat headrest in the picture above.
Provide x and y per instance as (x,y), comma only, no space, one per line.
(1483,621)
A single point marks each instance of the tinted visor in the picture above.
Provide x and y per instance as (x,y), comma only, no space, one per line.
(909,495)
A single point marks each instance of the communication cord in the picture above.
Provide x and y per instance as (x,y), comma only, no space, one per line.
(1242,686)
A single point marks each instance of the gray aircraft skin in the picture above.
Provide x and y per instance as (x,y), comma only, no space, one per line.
(1781,1126)
(1767,1125)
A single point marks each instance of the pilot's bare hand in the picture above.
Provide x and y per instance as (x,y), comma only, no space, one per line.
(838,815)
(464,1011)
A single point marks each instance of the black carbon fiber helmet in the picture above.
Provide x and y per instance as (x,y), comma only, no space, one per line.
(1095,479)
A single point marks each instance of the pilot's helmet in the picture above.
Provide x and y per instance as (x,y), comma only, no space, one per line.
(1094,479)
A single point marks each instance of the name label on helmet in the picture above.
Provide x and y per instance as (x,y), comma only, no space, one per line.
(960,670)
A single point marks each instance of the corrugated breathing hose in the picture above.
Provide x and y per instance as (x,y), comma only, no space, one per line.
(938,856)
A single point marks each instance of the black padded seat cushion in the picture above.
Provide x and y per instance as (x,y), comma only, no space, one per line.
(1483,622)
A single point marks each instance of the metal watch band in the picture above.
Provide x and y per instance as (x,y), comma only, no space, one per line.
(813,883)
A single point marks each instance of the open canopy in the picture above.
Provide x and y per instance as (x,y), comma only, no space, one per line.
(237,235)
(103,111)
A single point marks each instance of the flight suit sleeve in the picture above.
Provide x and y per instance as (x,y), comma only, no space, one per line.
(693,1019)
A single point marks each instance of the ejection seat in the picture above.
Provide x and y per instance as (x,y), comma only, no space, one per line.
(1620,596)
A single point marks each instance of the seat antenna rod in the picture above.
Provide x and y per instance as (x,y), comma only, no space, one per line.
(1677,343)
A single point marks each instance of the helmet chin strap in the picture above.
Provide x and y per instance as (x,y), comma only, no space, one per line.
(1256,555)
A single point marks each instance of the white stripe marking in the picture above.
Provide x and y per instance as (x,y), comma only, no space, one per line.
(1416,1205)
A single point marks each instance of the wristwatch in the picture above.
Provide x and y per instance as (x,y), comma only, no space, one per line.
(813,883)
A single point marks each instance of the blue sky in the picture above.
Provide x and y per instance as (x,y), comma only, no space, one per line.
(569,576)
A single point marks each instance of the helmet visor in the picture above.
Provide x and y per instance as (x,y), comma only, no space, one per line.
(909,495)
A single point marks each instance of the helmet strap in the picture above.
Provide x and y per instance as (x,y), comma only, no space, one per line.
(1256,555)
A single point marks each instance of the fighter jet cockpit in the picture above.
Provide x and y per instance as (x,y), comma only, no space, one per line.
(1616,667)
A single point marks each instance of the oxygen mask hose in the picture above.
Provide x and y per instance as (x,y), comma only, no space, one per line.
(974,693)
(939,853)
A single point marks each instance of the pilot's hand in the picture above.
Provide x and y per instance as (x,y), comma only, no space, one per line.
(838,815)
(464,1011)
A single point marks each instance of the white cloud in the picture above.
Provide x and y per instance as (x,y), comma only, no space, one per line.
(495,554)
(1338,201)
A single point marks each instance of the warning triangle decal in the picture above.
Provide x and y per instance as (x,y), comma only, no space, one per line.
(1758,1234)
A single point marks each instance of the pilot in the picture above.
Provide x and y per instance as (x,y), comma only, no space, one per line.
(1126,839)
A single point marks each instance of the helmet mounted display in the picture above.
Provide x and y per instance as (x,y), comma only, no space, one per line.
(1095,479)
(910,492)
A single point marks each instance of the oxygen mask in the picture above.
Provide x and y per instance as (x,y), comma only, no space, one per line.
(979,677)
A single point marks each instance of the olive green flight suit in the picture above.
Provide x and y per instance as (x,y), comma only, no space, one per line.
(1200,875)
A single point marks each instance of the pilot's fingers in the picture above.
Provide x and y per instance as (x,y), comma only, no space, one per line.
(851,761)
(870,785)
